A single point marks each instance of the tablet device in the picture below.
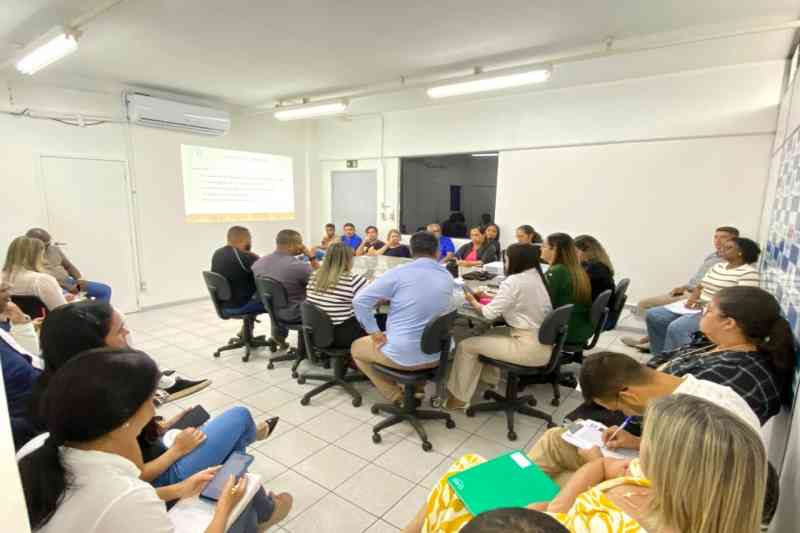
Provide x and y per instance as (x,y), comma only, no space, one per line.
(235,466)
(193,418)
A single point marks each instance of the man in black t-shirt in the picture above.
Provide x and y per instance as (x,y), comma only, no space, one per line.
(234,262)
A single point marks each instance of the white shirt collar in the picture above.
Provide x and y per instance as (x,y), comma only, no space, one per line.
(87,462)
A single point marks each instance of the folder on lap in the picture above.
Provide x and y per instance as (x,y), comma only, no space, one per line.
(510,480)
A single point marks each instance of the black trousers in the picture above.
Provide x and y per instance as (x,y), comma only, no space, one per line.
(345,333)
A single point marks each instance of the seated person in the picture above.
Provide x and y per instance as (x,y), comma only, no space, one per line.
(89,327)
(234,262)
(595,261)
(418,293)
(329,237)
(446,247)
(85,477)
(455,226)
(523,302)
(668,331)
(332,288)
(66,273)
(721,236)
(527,235)
(618,382)
(478,251)
(350,238)
(514,520)
(284,267)
(568,283)
(19,375)
(393,246)
(24,271)
(693,448)
(370,242)
(492,233)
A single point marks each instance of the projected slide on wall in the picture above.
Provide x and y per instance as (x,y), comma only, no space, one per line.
(232,186)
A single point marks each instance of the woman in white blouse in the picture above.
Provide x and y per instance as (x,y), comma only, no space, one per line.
(85,477)
(523,301)
(24,271)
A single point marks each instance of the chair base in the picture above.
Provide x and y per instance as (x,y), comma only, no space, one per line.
(511,404)
(245,340)
(293,354)
(408,412)
(339,378)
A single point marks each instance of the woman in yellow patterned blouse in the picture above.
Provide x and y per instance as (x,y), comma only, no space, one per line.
(706,473)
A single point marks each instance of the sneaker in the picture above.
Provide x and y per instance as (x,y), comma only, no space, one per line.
(184,387)
(635,342)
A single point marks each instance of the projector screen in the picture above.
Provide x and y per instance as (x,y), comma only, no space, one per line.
(230,186)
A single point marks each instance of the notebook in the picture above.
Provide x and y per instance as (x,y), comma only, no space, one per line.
(509,480)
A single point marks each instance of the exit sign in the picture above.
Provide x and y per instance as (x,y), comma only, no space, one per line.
(352,163)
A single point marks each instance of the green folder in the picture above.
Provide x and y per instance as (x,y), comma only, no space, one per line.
(510,480)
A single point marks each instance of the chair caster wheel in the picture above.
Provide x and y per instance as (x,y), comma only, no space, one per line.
(273,348)
(551,425)
(427,446)
(470,412)
(245,358)
(374,410)
(356,402)
(532,402)
(233,340)
(436,403)
(270,366)
(512,436)
(487,394)
(216,354)
(449,424)
(555,402)
(295,374)
(376,438)
(301,380)
(304,401)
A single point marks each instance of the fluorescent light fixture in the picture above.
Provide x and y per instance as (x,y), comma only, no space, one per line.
(493,154)
(492,81)
(312,110)
(52,46)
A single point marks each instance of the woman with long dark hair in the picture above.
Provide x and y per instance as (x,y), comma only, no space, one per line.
(85,477)
(527,235)
(478,251)
(595,261)
(568,283)
(523,302)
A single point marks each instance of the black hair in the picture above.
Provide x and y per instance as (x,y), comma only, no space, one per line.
(748,248)
(495,227)
(604,374)
(758,315)
(330,225)
(528,230)
(287,237)
(729,229)
(237,232)
(514,520)
(369,228)
(522,257)
(424,244)
(90,396)
(486,219)
(349,224)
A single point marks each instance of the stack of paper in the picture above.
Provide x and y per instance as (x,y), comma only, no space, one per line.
(193,515)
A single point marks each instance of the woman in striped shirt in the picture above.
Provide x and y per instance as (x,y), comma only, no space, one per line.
(332,288)
(668,330)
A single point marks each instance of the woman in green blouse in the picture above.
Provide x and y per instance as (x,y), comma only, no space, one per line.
(568,284)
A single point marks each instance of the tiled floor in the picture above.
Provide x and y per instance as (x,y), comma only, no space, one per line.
(323,453)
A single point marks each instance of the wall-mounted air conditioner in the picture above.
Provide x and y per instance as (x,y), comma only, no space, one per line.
(146,110)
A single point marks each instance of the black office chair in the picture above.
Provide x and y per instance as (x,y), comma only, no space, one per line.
(435,338)
(552,333)
(273,295)
(573,353)
(617,304)
(31,306)
(318,334)
(220,292)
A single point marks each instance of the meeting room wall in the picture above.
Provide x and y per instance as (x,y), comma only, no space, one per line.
(171,253)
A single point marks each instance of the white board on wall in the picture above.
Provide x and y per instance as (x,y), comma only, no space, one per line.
(653,205)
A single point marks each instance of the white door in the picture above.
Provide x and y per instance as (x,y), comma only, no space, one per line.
(88,210)
(354,196)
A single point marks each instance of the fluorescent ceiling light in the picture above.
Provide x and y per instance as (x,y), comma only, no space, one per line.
(490,82)
(310,110)
(51,47)
(485,155)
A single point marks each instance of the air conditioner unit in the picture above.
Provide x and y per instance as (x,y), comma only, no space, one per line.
(146,110)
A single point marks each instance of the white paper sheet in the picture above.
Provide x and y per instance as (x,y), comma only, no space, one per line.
(193,515)
(586,434)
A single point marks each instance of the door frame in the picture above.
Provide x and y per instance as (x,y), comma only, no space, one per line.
(130,202)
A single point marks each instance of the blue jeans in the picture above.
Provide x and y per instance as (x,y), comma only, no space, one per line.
(232,431)
(259,511)
(669,331)
(96,290)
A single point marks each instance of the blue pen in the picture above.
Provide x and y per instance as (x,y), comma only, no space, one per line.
(624,423)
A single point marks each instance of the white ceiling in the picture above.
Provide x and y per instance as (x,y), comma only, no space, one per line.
(248,52)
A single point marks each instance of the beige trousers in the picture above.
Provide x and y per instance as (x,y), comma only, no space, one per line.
(658,301)
(506,344)
(365,353)
(556,457)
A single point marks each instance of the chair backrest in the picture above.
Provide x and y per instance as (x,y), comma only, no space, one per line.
(437,338)
(218,289)
(273,295)
(30,305)
(598,315)
(317,326)
(553,332)
(617,304)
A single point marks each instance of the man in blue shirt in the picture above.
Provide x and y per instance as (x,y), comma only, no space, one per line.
(446,247)
(350,238)
(417,293)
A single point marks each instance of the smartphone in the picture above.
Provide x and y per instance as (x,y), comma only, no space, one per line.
(194,418)
(466,290)
(235,466)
